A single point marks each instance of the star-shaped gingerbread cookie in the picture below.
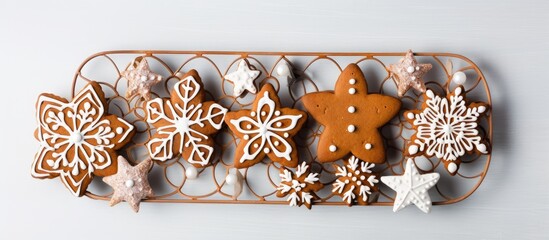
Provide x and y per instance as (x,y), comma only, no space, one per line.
(243,78)
(412,187)
(351,118)
(140,79)
(130,184)
(266,130)
(408,72)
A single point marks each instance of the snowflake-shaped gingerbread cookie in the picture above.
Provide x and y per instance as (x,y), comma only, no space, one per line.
(78,139)
(447,128)
(184,123)
(300,186)
(355,181)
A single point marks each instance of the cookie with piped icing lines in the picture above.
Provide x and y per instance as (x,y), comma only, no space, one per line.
(351,118)
(78,138)
(447,127)
(266,130)
(184,123)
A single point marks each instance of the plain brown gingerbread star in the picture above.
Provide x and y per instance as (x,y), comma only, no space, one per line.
(351,118)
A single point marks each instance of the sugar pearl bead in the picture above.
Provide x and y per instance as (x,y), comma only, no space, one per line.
(129,183)
(351,109)
(459,78)
(333,148)
(191,172)
(231,179)
(351,128)
(368,146)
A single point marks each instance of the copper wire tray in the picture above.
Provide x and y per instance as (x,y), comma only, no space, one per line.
(314,71)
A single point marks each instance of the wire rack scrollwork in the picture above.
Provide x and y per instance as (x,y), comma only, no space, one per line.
(313,72)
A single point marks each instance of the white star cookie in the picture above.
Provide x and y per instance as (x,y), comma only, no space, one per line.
(412,187)
(243,78)
(140,79)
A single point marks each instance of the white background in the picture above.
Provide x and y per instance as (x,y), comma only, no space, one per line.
(42,43)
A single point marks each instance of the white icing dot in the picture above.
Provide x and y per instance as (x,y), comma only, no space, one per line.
(452,167)
(249,126)
(417,68)
(352,90)
(481,148)
(351,128)
(347,181)
(252,114)
(410,69)
(349,174)
(119,130)
(246,137)
(263,113)
(277,113)
(368,146)
(286,135)
(256,145)
(413,77)
(266,150)
(352,81)
(129,183)
(357,172)
(412,149)
(276,143)
(410,115)
(362,178)
(351,109)
(430,93)
(481,109)
(359,183)
(333,148)
(278,124)
(354,179)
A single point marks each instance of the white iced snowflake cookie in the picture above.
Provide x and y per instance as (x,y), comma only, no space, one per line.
(447,128)
(184,123)
(356,181)
(300,186)
(243,78)
(78,139)
(412,187)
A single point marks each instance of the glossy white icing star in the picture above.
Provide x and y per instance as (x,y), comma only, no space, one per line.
(243,78)
(130,184)
(412,187)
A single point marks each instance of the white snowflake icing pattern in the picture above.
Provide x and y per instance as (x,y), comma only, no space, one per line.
(76,137)
(300,188)
(446,129)
(355,181)
(187,118)
(264,130)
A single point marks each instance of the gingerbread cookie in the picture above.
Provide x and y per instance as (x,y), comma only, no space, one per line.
(184,123)
(447,128)
(140,79)
(351,118)
(78,139)
(300,186)
(355,182)
(266,130)
(130,183)
(408,73)
(243,78)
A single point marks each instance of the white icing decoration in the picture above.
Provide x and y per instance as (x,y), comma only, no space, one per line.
(368,146)
(184,121)
(86,115)
(243,78)
(351,128)
(129,183)
(352,90)
(351,109)
(412,187)
(354,171)
(410,69)
(289,183)
(447,129)
(119,130)
(410,115)
(452,167)
(246,137)
(265,130)
(333,148)
(352,81)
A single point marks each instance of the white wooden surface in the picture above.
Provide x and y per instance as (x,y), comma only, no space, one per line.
(42,43)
